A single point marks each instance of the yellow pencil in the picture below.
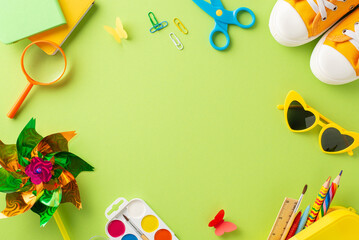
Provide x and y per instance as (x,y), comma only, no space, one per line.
(318,203)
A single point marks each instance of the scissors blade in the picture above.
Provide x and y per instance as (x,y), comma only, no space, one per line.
(207,7)
(217,4)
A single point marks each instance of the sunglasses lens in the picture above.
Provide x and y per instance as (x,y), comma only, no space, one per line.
(298,118)
(333,141)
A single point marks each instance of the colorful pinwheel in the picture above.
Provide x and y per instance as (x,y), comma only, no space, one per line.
(39,173)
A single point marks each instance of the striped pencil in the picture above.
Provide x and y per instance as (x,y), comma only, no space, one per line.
(330,195)
(318,203)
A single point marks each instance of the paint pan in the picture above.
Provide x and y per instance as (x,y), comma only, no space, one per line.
(142,222)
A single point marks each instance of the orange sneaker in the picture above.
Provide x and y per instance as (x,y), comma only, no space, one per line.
(335,59)
(296,22)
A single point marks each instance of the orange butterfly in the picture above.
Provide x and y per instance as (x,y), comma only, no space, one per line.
(220,225)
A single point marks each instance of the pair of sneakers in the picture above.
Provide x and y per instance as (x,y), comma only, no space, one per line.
(335,59)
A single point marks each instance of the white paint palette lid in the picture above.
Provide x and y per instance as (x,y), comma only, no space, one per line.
(135,220)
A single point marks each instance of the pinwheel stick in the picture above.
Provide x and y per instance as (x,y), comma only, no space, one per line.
(61,226)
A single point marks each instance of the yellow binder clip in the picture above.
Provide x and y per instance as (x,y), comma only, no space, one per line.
(180,25)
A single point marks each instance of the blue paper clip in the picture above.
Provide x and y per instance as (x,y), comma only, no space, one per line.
(155,25)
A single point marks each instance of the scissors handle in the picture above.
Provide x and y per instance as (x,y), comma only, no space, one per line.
(219,29)
(20,100)
(241,10)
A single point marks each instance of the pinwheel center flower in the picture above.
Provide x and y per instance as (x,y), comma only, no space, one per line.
(39,170)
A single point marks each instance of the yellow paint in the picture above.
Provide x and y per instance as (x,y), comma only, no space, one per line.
(219,12)
(149,223)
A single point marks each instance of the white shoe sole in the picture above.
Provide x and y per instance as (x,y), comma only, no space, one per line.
(282,40)
(314,65)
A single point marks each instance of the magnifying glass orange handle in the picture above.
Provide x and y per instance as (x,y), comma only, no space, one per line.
(20,100)
(31,81)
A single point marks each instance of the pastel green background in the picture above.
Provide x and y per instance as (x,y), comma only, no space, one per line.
(190,132)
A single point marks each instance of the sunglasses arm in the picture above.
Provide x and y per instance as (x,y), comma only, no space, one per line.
(280,107)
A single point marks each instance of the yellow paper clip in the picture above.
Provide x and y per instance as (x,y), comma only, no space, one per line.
(176,41)
(180,25)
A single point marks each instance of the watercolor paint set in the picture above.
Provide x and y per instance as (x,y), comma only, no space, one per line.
(135,220)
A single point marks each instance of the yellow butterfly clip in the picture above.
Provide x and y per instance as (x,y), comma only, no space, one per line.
(118,33)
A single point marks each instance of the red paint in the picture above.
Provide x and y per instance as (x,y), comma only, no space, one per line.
(116,228)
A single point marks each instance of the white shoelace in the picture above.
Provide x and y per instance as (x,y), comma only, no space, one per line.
(354,35)
(321,7)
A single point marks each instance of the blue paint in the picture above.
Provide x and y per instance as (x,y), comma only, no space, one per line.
(129,237)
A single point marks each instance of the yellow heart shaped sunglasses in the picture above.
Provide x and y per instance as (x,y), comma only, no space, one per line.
(300,117)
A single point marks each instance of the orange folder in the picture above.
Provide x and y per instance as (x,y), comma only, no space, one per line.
(74,11)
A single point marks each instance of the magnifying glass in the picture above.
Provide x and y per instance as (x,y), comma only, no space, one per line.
(36,64)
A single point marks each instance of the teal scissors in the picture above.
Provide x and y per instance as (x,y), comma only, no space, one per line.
(222,18)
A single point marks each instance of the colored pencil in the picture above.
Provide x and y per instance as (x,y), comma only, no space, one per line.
(318,203)
(330,195)
(303,220)
(294,227)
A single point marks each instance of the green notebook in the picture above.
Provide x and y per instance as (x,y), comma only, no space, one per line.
(23,18)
